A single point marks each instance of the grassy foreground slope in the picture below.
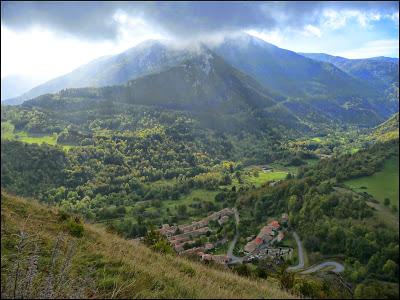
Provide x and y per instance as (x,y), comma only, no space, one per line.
(101,265)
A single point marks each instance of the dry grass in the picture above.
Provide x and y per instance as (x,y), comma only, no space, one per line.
(123,269)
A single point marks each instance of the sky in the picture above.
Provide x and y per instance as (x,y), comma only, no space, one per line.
(43,40)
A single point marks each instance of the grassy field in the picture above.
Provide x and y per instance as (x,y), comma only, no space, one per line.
(194,195)
(257,177)
(382,184)
(8,133)
(103,265)
(264,177)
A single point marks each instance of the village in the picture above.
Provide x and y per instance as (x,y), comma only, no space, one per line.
(182,238)
(260,247)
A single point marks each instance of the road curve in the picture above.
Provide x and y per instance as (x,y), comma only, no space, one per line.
(338,267)
(300,265)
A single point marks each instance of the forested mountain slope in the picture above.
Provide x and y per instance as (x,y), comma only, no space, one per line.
(378,71)
(314,91)
(382,73)
(145,58)
(310,85)
(206,86)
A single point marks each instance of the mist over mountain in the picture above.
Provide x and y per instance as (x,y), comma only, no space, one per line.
(109,70)
(15,85)
(203,84)
(305,86)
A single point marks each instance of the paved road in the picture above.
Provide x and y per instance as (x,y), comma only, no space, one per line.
(234,259)
(338,267)
(300,265)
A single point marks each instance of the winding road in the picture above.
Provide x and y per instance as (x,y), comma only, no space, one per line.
(234,259)
(300,265)
(338,267)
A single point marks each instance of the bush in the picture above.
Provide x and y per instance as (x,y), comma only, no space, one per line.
(63,215)
(243,270)
(75,227)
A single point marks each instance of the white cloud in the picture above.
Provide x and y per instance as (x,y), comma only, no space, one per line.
(334,19)
(373,48)
(274,37)
(394,17)
(310,30)
(45,54)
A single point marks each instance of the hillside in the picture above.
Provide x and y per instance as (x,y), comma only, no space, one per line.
(312,86)
(145,58)
(382,73)
(336,223)
(219,95)
(306,87)
(378,71)
(387,130)
(108,265)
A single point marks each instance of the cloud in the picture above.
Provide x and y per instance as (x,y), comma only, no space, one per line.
(310,30)
(274,37)
(96,20)
(389,47)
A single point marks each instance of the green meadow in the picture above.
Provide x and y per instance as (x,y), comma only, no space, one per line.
(382,184)
(8,132)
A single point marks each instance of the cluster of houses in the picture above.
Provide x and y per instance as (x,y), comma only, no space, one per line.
(268,235)
(180,235)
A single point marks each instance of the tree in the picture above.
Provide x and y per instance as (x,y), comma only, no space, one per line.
(157,242)
(386,201)
(286,279)
(390,268)
(182,210)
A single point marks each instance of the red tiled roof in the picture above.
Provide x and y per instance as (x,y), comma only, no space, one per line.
(259,240)
(274,224)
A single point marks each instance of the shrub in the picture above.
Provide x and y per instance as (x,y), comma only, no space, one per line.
(243,270)
(63,215)
(386,201)
(75,227)
(188,270)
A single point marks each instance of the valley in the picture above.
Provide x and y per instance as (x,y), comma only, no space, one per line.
(194,173)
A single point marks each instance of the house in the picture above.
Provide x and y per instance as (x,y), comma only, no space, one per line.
(206,257)
(178,247)
(275,225)
(250,247)
(249,238)
(258,241)
(168,230)
(280,237)
(221,259)
(266,230)
(209,246)
(223,220)
(193,250)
